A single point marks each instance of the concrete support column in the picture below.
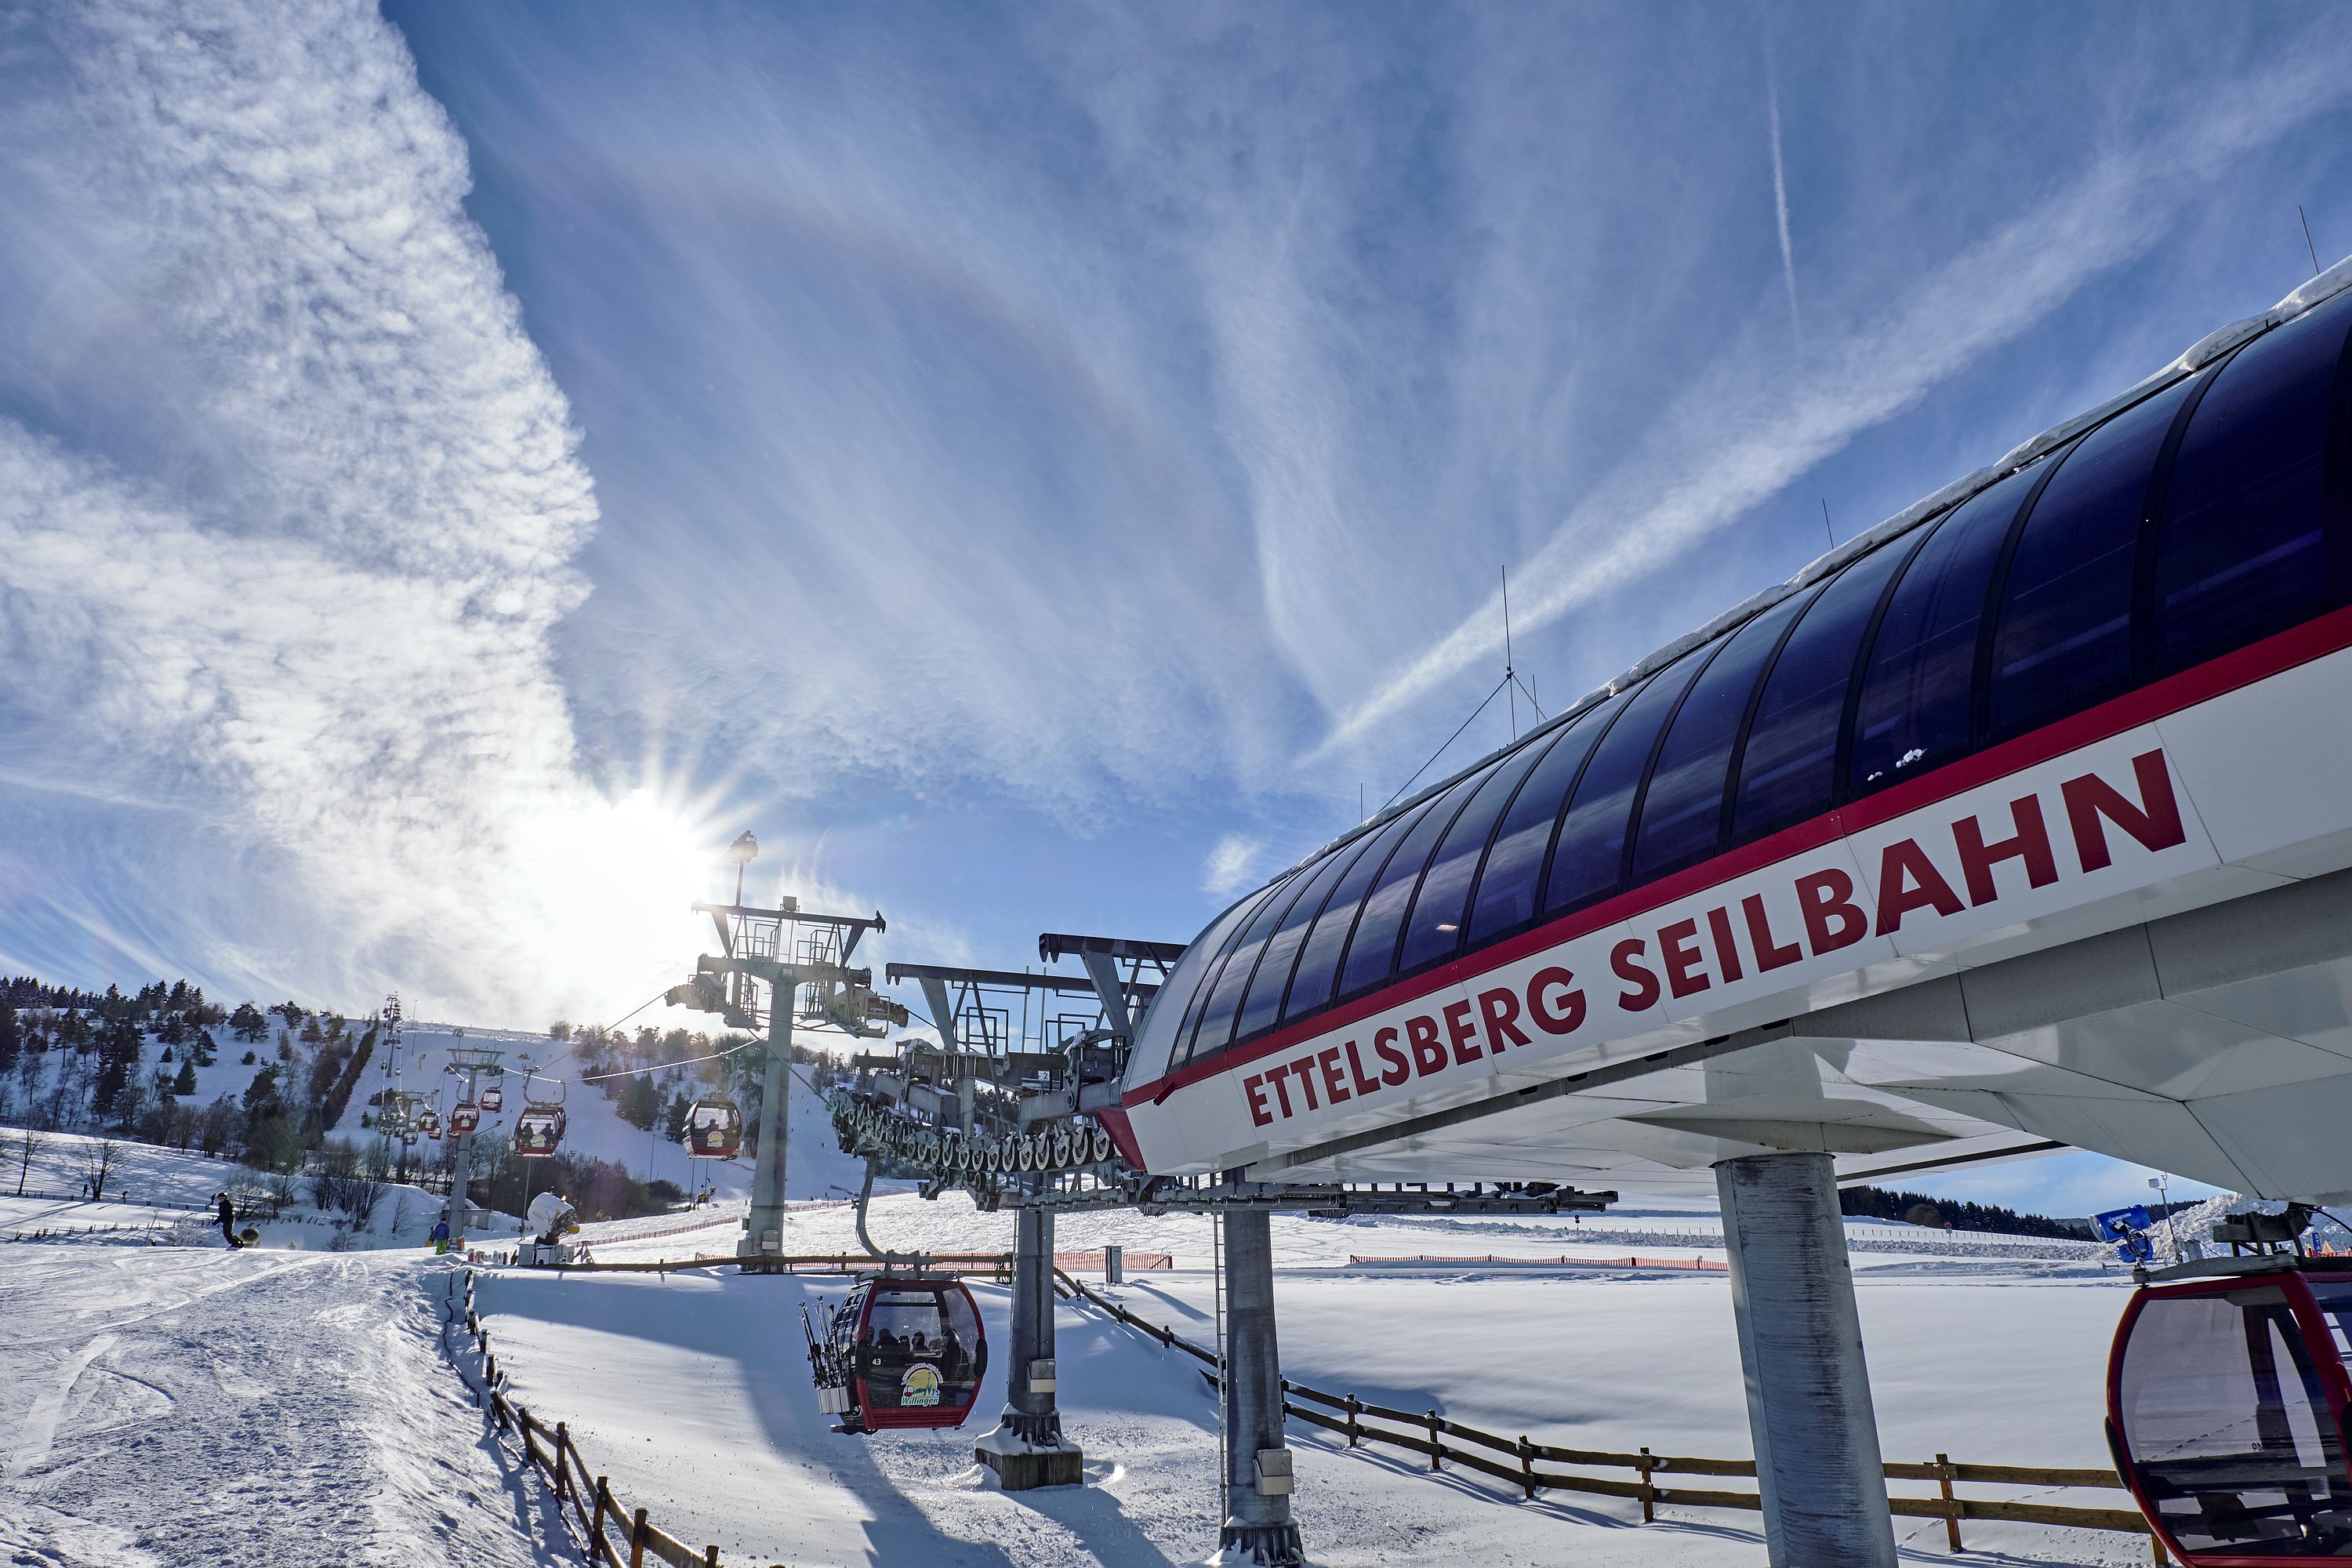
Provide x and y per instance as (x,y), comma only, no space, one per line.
(1027,1448)
(1809,1410)
(764,1231)
(1258,1526)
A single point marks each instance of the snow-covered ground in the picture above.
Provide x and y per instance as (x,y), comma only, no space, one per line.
(165,1196)
(691,1389)
(172,1405)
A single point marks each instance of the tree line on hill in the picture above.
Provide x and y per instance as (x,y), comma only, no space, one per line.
(1956,1213)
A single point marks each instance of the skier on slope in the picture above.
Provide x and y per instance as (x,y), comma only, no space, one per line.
(228,1221)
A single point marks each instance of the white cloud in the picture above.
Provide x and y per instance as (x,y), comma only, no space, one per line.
(1232,864)
(311,602)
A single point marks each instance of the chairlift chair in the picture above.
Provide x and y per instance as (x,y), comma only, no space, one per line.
(2227,1395)
(714,1130)
(903,1351)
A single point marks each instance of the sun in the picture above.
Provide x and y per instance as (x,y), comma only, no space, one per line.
(611,885)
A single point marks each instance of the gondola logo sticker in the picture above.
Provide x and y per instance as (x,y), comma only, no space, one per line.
(921,1386)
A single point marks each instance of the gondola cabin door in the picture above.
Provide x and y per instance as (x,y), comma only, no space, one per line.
(2226,1401)
(919,1355)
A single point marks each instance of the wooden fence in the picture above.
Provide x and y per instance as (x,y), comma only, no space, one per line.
(614,1535)
(1525,1464)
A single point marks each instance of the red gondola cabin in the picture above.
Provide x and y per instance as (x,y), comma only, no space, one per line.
(905,1351)
(714,1130)
(2226,1401)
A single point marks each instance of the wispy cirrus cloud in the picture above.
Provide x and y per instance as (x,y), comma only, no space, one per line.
(1751,421)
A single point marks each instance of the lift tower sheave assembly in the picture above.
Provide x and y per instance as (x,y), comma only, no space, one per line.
(772,962)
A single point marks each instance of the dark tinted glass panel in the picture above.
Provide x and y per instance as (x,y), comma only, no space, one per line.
(1682,814)
(1182,996)
(1372,952)
(1193,980)
(1225,995)
(1318,959)
(1507,887)
(1434,928)
(2063,639)
(1789,768)
(1590,850)
(1264,1003)
(2242,550)
(1917,691)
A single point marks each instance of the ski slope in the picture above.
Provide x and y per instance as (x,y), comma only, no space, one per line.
(161,1406)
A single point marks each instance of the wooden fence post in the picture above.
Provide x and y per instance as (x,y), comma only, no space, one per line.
(710,1557)
(596,1526)
(1355,1409)
(2156,1541)
(562,1452)
(1649,1492)
(1944,1483)
(637,1541)
(1436,1447)
(1528,1465)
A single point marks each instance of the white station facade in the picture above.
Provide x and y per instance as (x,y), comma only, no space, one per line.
(2022,821)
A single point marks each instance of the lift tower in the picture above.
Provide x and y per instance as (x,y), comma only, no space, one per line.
(1019,1051)
(771,963)
(473,1063)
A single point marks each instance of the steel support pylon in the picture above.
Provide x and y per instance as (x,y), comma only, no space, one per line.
(1809,1410)
(1027,1449)
(1258,1528)
(763,1232)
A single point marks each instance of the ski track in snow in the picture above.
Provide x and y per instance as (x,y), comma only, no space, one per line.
(169,1405)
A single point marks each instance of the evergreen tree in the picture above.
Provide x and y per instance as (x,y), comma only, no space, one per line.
(11,1037)
(186,1081)
(640,1102)
(248,1023)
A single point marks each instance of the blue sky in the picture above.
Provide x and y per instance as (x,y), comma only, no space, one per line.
(1032,464)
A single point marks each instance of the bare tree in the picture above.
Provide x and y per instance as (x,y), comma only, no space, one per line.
(283,1187)
(24,1143)
(99,1157)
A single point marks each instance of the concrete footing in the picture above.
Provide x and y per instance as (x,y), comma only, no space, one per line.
(1809,1410)
(1020,1466)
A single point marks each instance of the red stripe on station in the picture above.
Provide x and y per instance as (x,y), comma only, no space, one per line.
(2330,633)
